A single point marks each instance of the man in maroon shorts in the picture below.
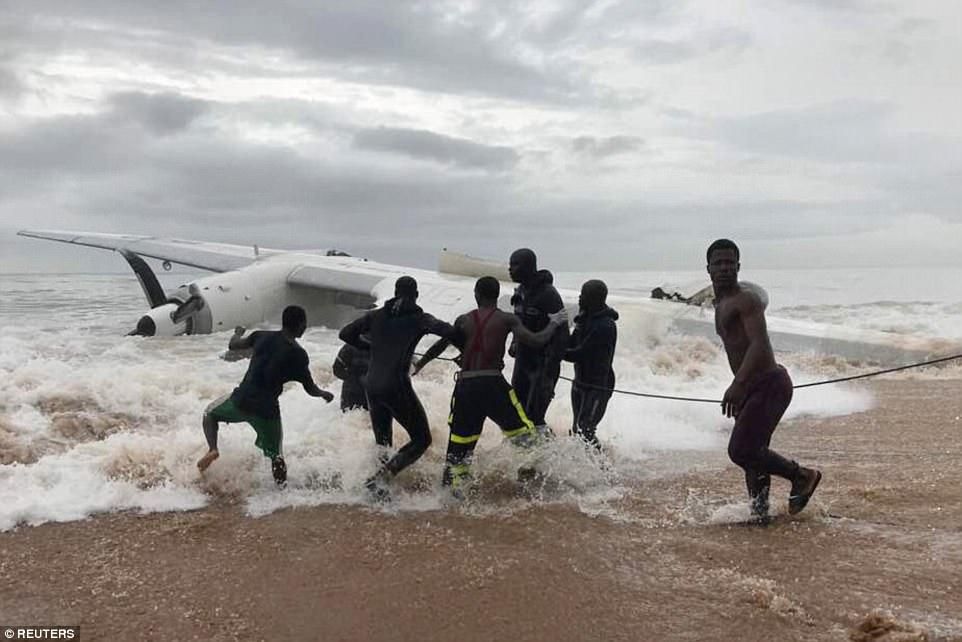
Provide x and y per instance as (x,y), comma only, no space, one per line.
(761,390)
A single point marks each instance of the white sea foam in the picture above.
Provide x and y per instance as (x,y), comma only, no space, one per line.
(92,421)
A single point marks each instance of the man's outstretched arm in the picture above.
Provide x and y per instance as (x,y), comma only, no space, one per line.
(431,354)
(239,342)
(536,339)
(307,381)
(313,390)
(441,344)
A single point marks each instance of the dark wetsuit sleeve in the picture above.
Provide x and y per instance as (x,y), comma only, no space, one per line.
(551,301)
(597,344)
(433,352)
(431,325)
(442,344)
(351,333)
(555,350)
(343,362)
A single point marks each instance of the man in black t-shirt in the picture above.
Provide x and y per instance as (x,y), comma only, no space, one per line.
(277,358)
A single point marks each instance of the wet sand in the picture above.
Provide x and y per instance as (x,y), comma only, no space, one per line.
(876,556)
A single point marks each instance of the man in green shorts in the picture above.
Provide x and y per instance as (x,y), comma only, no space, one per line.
(277,358)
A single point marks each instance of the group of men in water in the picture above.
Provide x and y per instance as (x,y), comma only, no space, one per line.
(376,366)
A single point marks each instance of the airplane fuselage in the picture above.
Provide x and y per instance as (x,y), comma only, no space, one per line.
(251,287)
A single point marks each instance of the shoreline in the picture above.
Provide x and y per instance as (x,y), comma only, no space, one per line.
(883,534)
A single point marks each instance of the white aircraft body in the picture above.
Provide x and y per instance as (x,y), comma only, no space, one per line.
(251,286)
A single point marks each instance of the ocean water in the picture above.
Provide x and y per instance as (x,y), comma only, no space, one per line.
(94,421)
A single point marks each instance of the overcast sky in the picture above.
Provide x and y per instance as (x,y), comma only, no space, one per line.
(608,135)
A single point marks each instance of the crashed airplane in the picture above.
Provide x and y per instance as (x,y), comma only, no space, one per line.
(251,286)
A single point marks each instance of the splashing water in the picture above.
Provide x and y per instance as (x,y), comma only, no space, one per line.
(93,421)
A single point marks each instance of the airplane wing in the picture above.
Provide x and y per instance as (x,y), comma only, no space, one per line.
(357,288)
(216,257)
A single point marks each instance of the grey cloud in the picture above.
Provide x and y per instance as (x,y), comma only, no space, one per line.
(317,115)
(841,5)
(603,147)
(53,147)
(583,22)
(423,45)
(663,52)
(913,170)
(841,132)
(10,84)
(437,147)
(937,191)
(914,26)
(131,179)
(851,131)
(165,113)
(202,185)
(906,38)
(86,145)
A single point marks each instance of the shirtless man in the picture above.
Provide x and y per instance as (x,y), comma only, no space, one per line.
(761,390)
(481,391)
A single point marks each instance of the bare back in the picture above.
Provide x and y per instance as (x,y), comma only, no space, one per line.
(740,322)
(486,330)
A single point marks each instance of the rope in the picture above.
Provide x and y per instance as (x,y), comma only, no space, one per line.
(866,375)
(879,372)
(649,395)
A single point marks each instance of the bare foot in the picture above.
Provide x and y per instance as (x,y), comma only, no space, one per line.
(207,460)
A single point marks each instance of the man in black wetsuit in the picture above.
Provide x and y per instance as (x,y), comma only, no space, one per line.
(481,391)
(394,331)
(276,359)
(536,370)
(351,366)
(592,349)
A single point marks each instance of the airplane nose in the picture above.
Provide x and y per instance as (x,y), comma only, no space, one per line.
(145,328)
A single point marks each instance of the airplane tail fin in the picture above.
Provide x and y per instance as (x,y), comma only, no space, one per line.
(466,265)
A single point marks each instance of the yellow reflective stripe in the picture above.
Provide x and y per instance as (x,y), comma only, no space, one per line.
(517,406)
(514,433)
(458,470)
(458,439)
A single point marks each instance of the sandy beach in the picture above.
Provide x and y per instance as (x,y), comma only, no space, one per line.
(876,556)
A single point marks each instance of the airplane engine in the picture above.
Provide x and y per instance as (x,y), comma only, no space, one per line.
(159,322)
(246,297)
